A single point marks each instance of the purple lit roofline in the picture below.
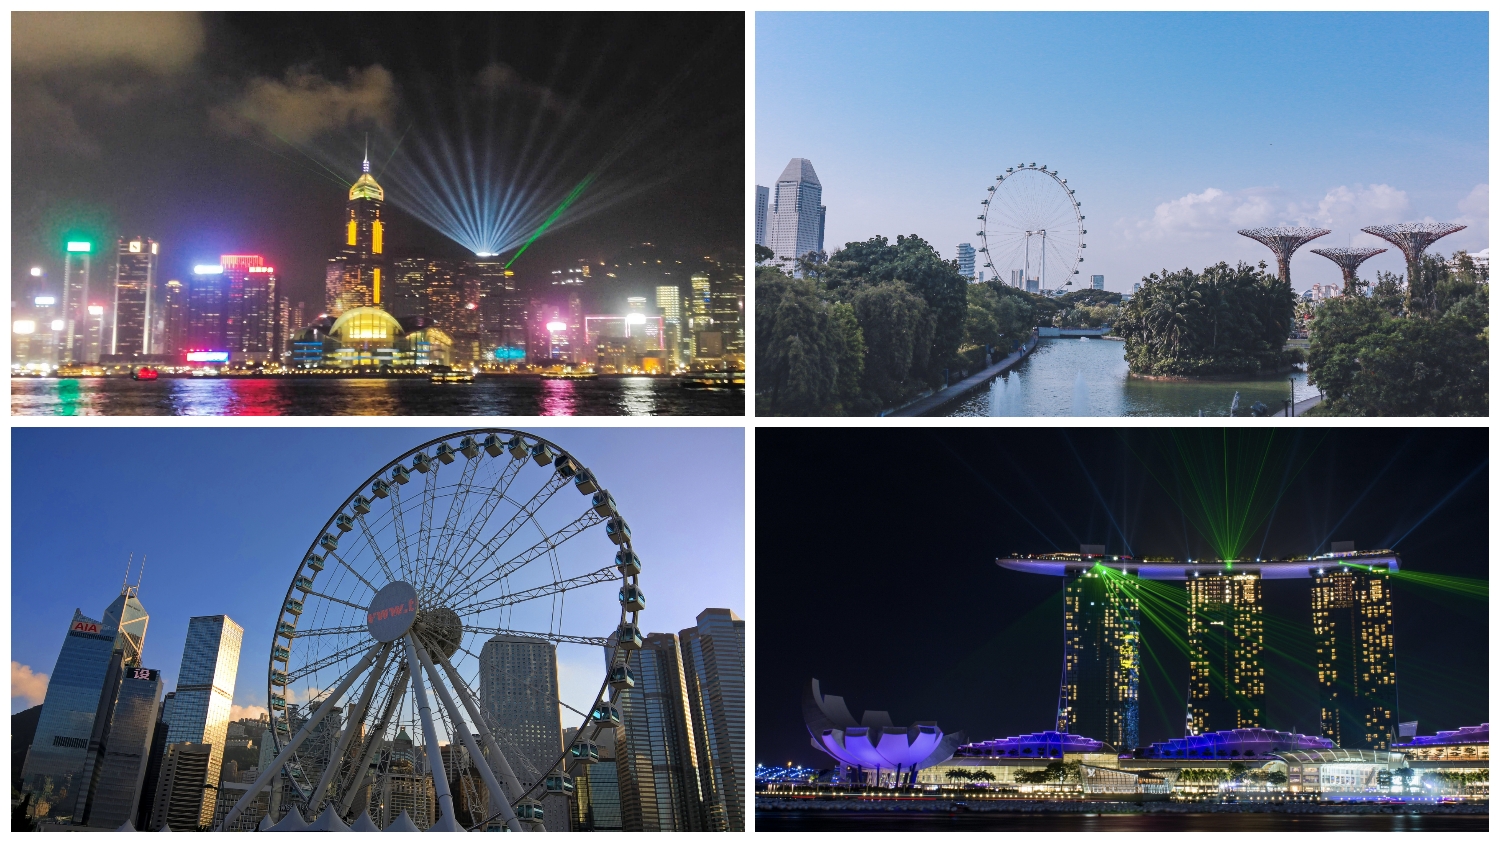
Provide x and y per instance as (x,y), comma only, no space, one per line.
(1300,569)
(1466,734)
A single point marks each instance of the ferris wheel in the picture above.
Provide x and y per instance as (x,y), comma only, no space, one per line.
(469,538)
(1031,228)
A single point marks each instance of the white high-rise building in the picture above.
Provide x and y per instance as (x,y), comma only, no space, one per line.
(762,206)
(966,260)
(797,215)
(518,692)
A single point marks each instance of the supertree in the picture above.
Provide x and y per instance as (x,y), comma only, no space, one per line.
(1413,238)
(1349,261)
(1283,242)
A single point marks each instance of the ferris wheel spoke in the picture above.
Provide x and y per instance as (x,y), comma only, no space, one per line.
(333,599)
(606,574)
(361,769)
(492,500)
(379,554)
(555,638)
(354,725)
(350,568)
(331,659)
(456,508)
(399,522)
(332,630)
(589,519)
(429,497)
(525,513)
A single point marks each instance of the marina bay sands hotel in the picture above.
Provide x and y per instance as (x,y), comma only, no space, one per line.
(1352,627)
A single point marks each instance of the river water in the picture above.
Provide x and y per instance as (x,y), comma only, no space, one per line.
(1089,377)
(868,821)
(314,396)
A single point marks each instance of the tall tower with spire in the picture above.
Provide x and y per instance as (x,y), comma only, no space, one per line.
(356,274)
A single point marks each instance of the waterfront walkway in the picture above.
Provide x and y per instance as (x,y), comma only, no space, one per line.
(1302,406)
(948,395)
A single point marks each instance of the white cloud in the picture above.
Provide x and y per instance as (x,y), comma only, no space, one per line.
(1208,214)
(1346,210)
(162,42)
(246,712)
(26,685)
(306,105)
(1475,210)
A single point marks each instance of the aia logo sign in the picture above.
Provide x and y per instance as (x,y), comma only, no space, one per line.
(86,626)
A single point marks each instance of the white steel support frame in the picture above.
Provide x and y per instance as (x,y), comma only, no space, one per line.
(357,773)
(429,734)
(356,720)
(499,800)
(506,772)
(307,729)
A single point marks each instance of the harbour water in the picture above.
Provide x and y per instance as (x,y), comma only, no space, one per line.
(870,821)
(1089,377)
(325,396)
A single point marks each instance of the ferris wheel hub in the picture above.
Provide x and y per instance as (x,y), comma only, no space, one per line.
(392,612)
(441,630)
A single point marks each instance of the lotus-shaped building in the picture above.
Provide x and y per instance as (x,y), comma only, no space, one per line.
(873,742)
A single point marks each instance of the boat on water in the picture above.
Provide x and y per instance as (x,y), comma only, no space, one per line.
(716,381)
(145,373)
(569,376)
(448,374)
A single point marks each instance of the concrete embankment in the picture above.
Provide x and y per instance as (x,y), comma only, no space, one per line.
(943,397)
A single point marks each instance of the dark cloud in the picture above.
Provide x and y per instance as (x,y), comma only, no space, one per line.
(305,105)
(498,79)
(160,42)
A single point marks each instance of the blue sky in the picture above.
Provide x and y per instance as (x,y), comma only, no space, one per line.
(1174,129)
(225,515)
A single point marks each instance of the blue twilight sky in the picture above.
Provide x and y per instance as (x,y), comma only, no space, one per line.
(1174,129)
(224,516)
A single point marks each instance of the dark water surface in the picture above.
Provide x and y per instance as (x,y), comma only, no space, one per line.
(867,821)
(1074,377)
(315,396)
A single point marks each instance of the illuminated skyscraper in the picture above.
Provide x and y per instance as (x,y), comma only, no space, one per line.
(659,784)
(502,307)
(135,297)
(250,308)
(205,690)
(174,319)
(1227,679)
(1356,647)
(75,299)
(1100,690)
(207,309)
(669,302)
(797,215)
(353,278)
(518,691)
(713,661)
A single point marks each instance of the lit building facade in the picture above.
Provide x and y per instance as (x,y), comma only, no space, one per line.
(135,298)
(353,277)
(250,309)
(205,691)
(655,753)
(555,331)
(174,318)
(75,300)
(1100,693)
(1226,636)
(669,303)
(369,337)
(518,693)
(1355,638)
(207,309)
(797,215)
(713,661)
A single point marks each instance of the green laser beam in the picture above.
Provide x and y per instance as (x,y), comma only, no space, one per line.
(577,191)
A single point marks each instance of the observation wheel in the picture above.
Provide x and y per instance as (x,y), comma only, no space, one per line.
(1031,228)
(424,614)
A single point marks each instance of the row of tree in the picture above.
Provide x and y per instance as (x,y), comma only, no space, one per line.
(1406,350)
(1223,321)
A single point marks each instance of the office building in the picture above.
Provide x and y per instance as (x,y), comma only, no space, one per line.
(205,690)
(669,302)
(1356,656)
(407,786)
(502,310)
(966,260)
(762,207)
(518,693)
(146,802)
(596,788)
(173,316)
(655,754)
(135,298)
(182,791)
(250,317)
(122,751)
(86,666)
(75,300)
(555,330)
(1100,690)
(207,310)
(1226,635)
(713,661)
(797,215)
(353,277)
(1098,282)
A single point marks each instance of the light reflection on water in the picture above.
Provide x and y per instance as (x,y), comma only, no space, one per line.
(367,397)
(1070,377)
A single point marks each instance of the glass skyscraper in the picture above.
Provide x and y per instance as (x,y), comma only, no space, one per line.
(762,207)
(1100,691)
(655,755)
(797,215)
(135,298)
(1356,648)
(353,277)
(117,785)
(596,790)
(205,691)
(713,661)
(1226,635)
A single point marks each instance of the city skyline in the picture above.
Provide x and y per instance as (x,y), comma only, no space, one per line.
(254,117)
(694,545)
(1159,187)
(986,642)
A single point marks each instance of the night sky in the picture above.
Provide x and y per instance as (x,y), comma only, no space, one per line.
(224,516)
(876,566)
(206,132)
